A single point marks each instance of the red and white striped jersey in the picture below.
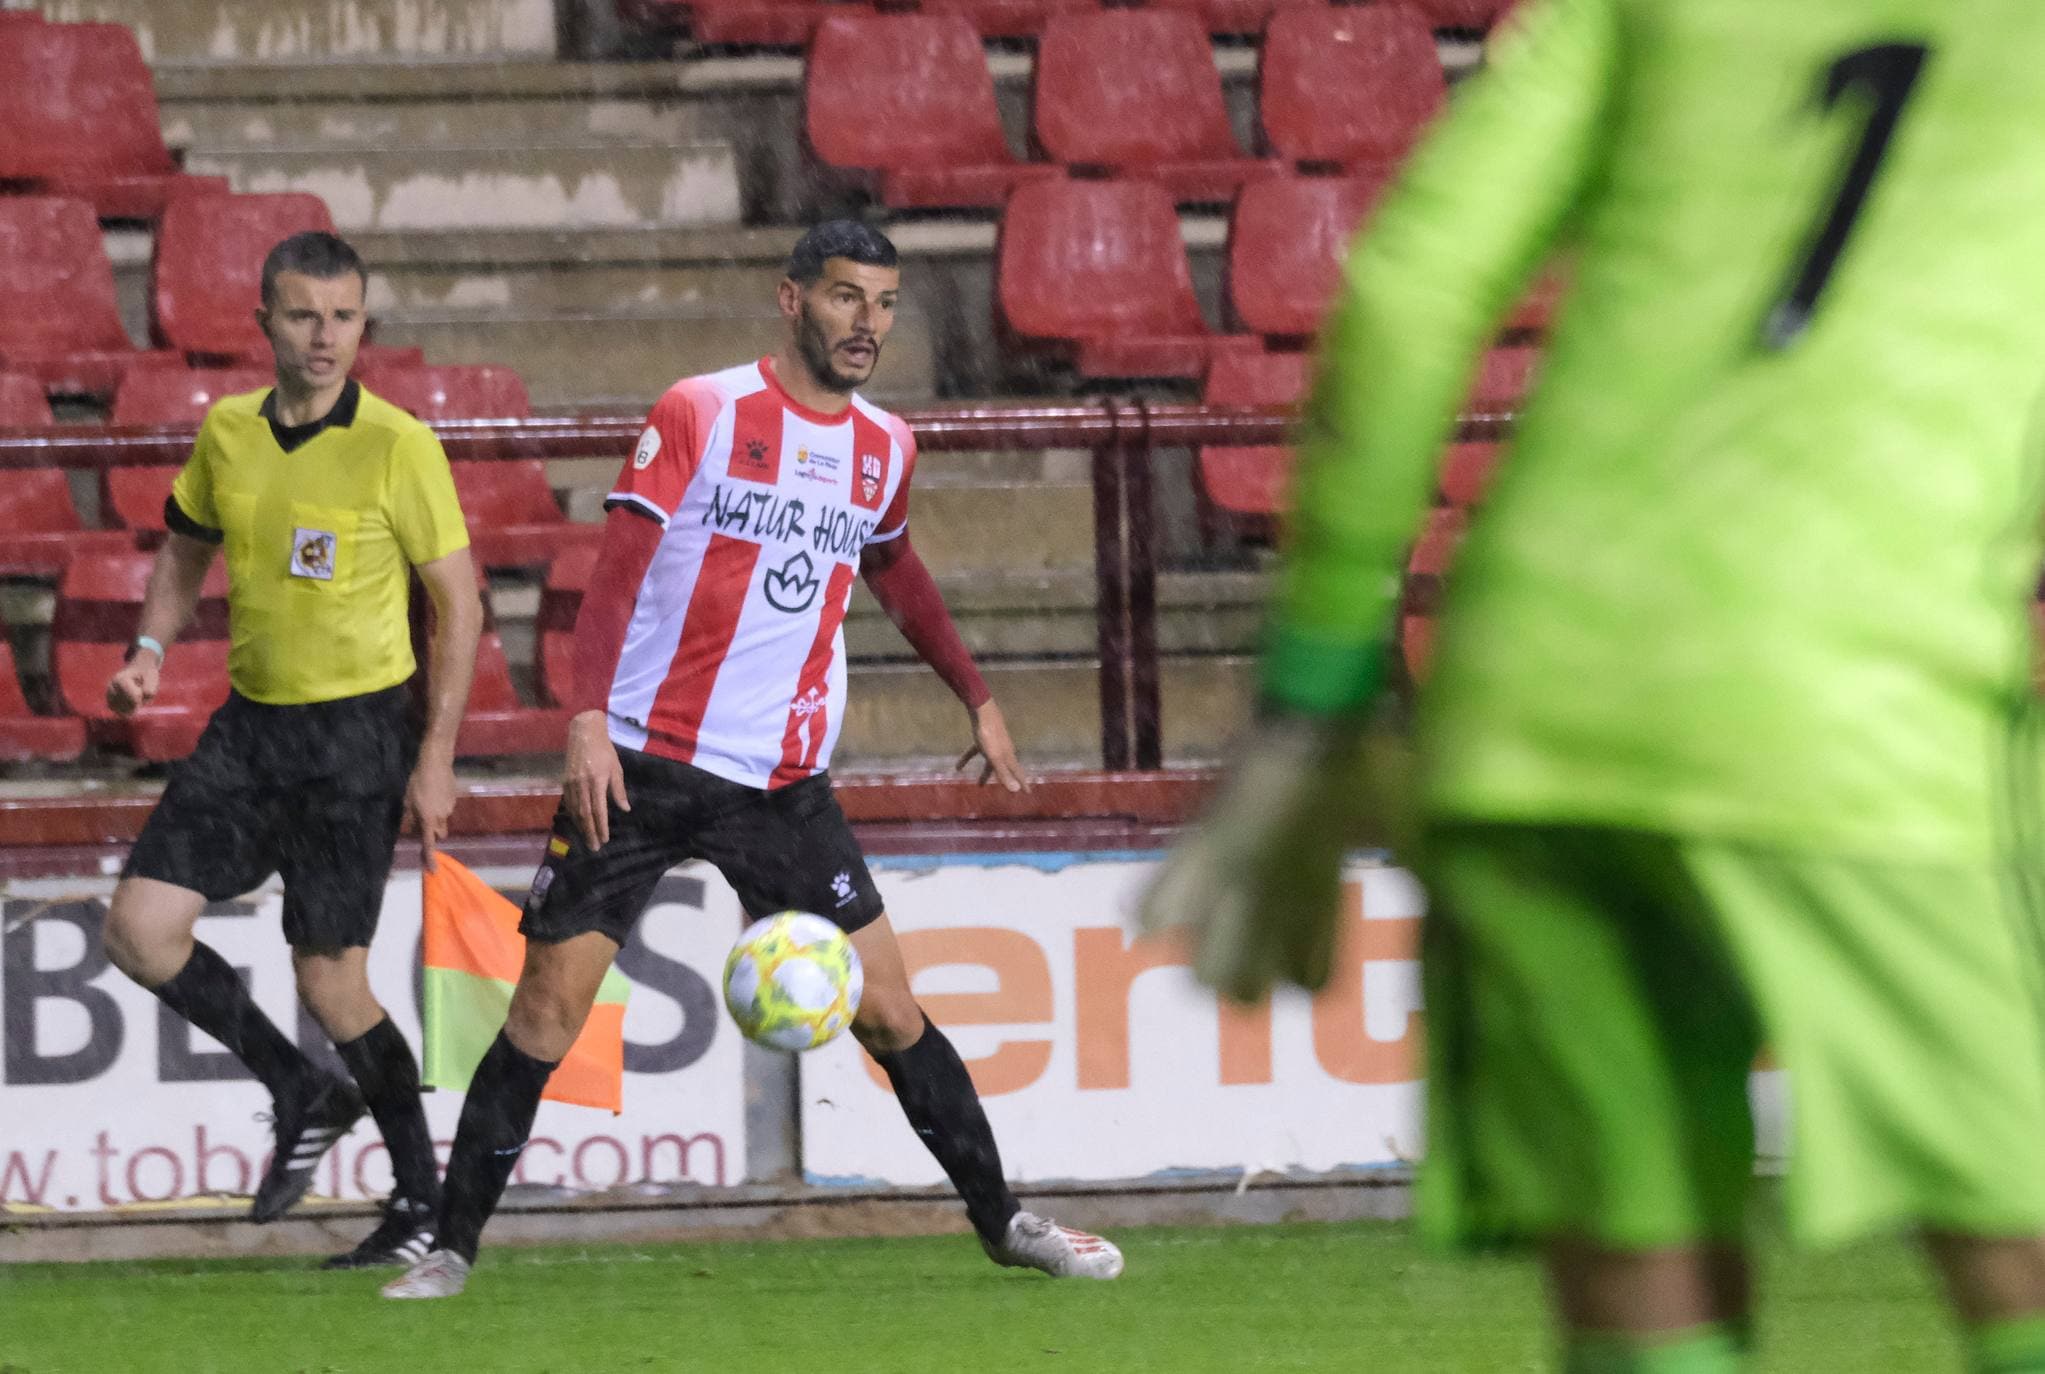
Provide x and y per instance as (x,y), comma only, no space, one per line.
(734,658)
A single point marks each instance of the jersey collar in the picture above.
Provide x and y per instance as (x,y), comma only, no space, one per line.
(815,417)
(341,416)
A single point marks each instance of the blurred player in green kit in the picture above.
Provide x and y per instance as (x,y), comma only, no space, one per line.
(1730,737)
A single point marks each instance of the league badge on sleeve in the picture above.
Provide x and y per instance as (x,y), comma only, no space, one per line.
(648,450)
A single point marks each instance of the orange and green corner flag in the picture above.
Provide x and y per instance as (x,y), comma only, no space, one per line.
(473,955)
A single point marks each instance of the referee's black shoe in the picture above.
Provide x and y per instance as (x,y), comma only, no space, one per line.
(307,1125)
(402,1238)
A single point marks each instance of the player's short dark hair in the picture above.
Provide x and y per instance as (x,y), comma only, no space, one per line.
(315,253)
(838,238)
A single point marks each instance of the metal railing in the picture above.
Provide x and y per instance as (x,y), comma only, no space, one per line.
(1123,436)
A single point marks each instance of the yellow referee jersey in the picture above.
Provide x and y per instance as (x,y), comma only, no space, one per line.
(321,525)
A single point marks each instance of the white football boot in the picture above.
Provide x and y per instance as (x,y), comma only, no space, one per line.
(1035,1242)
(442,1274)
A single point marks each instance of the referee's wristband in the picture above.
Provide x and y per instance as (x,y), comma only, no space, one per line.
(148,642)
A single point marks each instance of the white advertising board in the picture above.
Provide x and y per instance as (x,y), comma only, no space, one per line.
(106,1100)
(1097,1055)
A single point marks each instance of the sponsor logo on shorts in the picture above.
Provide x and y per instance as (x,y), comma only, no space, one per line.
(648,450)
(842,886)
(312,553)
(542,880)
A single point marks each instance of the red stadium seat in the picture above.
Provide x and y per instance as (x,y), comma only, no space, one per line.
(1429,564)
(908,100)
(513,518)
(1232,16)
(99,604)
(1502,380)
(1286,242)
(735,23)
(181,395)
(1098,270)
(560,602)
(496,723)
(1466,472)
(40,530)
(206,278)
(1461,14)
(450,391)
(22,403)
(23,733)
(1249,483)
(1007,18)
(78,118)
(1136,93)
(1349,86)
(58,320)
(131,498)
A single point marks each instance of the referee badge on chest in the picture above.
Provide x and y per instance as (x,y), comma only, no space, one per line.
(312,553)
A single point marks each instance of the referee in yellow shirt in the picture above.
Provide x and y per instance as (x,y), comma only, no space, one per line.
(325,499)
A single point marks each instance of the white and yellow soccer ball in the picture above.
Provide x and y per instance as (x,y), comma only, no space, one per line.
(793,981)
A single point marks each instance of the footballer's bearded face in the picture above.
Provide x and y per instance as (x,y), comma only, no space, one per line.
(842,319)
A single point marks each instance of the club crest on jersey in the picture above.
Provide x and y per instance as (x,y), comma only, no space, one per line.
(312,554)
(873,472)
(792,587)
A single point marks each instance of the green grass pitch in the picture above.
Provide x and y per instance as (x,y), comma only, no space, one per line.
(1298,1297)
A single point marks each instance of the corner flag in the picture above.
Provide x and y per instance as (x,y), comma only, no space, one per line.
(473,954)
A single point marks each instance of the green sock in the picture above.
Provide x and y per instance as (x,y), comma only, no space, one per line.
(1698,1350)
(2014,1345)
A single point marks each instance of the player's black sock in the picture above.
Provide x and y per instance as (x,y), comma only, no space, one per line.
(208,993)
(938,1097)
(389,1078)
(504,1096)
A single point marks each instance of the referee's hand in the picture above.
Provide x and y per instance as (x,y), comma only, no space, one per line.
(134,686)
(594,778)
(429,802)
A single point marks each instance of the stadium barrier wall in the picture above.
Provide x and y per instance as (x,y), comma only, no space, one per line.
(1098,1057)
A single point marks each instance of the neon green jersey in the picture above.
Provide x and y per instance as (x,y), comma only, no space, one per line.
(1759,560)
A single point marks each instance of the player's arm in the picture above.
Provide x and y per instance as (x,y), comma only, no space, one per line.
(1481,204)
(903,586)
(450,583)
(175,579)
(649,489)
(594,776)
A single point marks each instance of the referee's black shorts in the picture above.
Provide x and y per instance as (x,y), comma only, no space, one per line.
(788,849)
(315,793)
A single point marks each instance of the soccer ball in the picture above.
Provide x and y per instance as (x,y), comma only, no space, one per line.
(793,981)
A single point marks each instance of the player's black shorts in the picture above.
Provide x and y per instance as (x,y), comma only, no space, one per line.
(785,849)
(315,793)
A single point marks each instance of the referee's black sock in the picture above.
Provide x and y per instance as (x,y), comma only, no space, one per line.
(938,1097)
(208,993)
(504,1096)
(388,1075)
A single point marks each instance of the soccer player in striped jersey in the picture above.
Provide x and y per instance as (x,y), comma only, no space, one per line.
(1730,738)
(710,662)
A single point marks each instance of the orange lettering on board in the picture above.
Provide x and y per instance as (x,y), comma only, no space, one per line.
(1342,1044)
(1022,993)
(1105,968)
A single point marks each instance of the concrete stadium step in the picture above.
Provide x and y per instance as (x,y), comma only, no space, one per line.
(1053,615)
(269,30)
(621,361)
(499,185)
(902,715)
